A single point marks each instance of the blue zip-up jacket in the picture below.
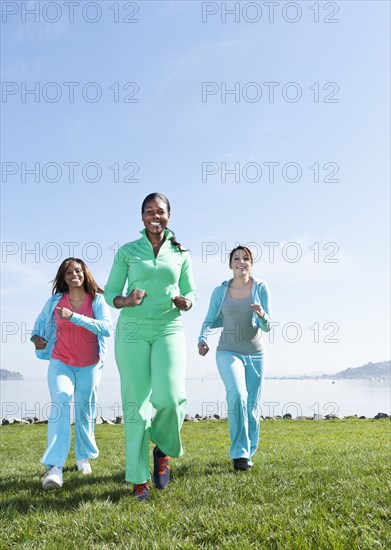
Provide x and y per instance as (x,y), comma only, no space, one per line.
(45,325)
(214,317)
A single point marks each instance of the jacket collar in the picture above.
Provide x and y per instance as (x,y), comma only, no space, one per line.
(167,233)
(255,281)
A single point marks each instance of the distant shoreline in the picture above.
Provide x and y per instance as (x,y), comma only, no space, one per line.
(329,377)
(380,372)
(10,375)
(305,377)
(216,378)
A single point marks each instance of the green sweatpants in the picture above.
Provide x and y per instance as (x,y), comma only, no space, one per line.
(151,359)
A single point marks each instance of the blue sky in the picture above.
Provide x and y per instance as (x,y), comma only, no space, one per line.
(328,120)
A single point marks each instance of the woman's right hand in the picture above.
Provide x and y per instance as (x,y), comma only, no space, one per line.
(203,348)
(39,342)
(133,299)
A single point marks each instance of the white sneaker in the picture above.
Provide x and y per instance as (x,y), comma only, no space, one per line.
(83,465)
(53,478)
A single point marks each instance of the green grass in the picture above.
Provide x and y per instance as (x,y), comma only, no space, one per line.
(314,485)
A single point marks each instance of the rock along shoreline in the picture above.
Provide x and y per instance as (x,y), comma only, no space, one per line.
(199,418)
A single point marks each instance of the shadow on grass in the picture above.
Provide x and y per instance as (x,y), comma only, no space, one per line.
(28,496)
(212,468)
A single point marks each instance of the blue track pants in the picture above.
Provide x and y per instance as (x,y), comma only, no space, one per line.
(81,384)
(242,376)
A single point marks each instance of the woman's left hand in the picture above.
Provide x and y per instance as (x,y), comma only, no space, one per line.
(181,303)
(258,309)
(64,313)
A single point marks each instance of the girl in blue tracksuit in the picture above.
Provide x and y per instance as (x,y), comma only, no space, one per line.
(70,332)
(242,307)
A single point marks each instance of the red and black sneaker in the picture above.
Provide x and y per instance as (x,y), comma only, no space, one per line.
(161,469)
(141,491)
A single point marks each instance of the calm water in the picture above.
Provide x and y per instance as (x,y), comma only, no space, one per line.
(207,396)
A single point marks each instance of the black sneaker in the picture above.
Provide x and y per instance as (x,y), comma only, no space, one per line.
(141,491)
(241,464)
(161,469)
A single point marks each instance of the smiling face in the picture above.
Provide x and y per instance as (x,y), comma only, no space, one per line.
(74,276)
(241,262)
(155,216)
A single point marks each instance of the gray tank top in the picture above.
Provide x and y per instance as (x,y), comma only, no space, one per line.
(238,334)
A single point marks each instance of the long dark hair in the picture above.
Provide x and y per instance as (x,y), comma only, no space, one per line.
(160,196)
(90,285)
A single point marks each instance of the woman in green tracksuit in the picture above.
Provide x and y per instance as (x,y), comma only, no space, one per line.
(150,344)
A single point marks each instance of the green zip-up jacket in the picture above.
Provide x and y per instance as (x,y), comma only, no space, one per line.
(164,277)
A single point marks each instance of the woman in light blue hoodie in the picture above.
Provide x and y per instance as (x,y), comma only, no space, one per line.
(241,306)
(70,332)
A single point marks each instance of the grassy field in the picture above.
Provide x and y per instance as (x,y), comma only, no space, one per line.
(320,485)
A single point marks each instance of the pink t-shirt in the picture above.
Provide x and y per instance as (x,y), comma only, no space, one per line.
(75,346)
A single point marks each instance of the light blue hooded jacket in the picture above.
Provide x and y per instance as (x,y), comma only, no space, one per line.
(214,317)
(45,325)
